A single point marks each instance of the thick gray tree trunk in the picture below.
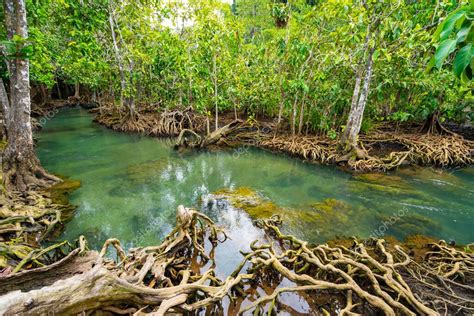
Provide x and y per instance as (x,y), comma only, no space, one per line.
(20,166)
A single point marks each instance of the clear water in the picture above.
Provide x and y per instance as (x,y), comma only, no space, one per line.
(131,186)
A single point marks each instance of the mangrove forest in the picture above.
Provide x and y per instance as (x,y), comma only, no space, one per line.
(237,157)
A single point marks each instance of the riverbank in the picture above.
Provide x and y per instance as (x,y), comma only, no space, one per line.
(385,150)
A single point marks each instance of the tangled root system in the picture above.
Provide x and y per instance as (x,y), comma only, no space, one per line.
(365,277)
(379,151)
(164,124)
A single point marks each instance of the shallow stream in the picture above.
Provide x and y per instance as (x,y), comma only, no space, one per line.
(131,186)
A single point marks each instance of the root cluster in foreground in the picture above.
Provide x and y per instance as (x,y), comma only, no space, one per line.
(178,276)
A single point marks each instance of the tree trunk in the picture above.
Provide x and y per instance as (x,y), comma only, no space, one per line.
(58,90)
(117,54)
(300,123)
(77,90)
(293,116)
(214,67)
(282,101)
(20,166)
(45,93)
(359,101)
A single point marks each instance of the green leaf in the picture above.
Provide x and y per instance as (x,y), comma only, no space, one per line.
(445,48)
(446,27)
(462,60)
(463,32)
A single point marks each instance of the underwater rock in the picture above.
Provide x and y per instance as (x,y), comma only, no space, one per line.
(318,222)
(250,201)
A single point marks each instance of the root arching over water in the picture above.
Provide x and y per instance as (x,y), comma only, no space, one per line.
(178,276)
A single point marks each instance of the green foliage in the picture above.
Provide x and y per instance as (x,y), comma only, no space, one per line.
(455,36)
(295,58)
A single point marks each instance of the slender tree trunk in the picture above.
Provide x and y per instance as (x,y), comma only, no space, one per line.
(77,90)
(235,110)
(20,166)
(293,116)
(300,123)
(282,72)
(214,67)
(131,99)
(190,78)
(58,88)
(282,101)
(359,101)
(45,94)
(117,54)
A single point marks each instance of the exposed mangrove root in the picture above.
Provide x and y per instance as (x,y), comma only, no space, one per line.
(213,138)
(32,216)
(434,126)
(310,148)
(368,273)
(154,279)
(25,221)
(441,151)
(27,174)
(177,276)
(435,150)
(379,151)
(166,123)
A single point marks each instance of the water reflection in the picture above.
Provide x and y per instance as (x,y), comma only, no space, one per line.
(129,181)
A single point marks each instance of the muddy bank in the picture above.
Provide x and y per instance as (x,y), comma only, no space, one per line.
(385,150)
